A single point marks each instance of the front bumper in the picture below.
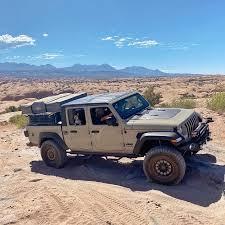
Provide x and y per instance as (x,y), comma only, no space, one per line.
(201,136)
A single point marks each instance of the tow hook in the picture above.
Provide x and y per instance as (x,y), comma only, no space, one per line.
(209,139)
(209,120)
(26,134)
(193,147)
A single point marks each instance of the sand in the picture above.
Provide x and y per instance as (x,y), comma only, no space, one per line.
(100,191)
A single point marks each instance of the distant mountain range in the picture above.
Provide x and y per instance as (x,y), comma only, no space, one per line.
(90,71)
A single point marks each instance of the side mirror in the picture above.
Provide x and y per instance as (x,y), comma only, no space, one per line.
(111,121)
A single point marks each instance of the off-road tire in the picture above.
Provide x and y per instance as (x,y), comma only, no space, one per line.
(53,154)
(171,160)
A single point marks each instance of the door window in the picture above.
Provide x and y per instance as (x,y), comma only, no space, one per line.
(99,115)
(76,117)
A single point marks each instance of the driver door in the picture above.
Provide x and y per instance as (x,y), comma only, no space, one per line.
(106,138)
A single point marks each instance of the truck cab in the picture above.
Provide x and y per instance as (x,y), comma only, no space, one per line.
(96,124)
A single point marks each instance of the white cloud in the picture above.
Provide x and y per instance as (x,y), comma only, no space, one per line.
(122,39)
(12,57)
(143,43)
(44,56)
(109,38)
(146,42)
(179,46)
(183,48)
(8,41)
(45,34)
(130,42)
(119,44)
(49,56)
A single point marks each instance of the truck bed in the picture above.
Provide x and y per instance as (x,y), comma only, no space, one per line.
(34,132)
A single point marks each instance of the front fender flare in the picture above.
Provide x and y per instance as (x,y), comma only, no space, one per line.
(153,136)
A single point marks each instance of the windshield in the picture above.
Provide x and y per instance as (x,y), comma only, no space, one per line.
(130,106)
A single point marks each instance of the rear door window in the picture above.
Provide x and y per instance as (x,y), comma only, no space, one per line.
(76,117)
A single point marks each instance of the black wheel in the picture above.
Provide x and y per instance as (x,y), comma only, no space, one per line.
(164,165)
(53,155)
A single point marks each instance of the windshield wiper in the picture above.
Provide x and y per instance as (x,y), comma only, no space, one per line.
(139,113)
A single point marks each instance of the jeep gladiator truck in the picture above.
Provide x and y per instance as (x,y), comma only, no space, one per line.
(121,124)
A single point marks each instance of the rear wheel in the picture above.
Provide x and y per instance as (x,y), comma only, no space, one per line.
(165,165)
(53,154)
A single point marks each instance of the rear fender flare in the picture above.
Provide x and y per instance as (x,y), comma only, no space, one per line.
(44,136)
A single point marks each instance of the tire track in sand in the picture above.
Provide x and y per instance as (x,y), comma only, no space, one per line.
(104,207)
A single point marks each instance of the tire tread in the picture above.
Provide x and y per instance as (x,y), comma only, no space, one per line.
(166,150)
(61,153)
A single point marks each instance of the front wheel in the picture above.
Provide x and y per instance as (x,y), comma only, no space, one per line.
(53,155)
(165,165)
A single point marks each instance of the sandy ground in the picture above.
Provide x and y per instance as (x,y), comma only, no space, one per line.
(100,191)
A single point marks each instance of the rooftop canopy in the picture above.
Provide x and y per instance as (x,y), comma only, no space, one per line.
(99,98)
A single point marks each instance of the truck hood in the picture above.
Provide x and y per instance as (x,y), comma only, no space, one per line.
(159,119)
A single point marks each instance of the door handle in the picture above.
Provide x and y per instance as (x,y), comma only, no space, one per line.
(95,131)
(73,131)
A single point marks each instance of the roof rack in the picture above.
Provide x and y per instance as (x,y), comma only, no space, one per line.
(51,104)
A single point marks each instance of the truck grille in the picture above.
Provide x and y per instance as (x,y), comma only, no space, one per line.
(191,124)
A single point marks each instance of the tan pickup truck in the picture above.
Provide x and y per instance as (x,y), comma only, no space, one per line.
(119,124)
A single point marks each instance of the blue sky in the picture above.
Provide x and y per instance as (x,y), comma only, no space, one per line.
(174,36)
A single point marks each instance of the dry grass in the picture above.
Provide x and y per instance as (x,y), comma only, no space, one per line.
(152,96)
(217,102)
(180,103)
(19,120)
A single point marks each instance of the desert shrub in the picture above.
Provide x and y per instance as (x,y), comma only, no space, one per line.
(152,96)
(19,120)
(12,108)
(188,96)
(217,102)
(180,103)
(165,105)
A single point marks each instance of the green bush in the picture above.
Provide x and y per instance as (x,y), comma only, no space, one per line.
(180,103)
(19,120)
(12,109)
(152,97)
(217,102)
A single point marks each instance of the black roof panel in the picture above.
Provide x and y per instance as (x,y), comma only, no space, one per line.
(98,98)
